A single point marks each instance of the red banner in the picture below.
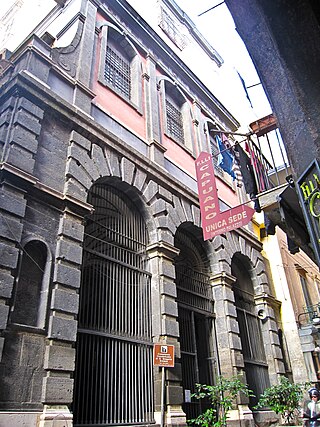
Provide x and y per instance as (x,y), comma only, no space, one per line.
(213,221)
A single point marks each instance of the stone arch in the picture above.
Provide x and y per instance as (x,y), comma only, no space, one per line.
(225,246)
(89,163)
(164,210)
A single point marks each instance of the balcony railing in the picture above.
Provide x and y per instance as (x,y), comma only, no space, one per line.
(268,155)
(310,316)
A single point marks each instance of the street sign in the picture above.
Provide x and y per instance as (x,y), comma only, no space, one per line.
(163,355)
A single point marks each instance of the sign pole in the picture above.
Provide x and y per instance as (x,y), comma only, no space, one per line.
(162,396)
(163,356)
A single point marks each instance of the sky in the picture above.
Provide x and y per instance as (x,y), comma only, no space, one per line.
(218,27)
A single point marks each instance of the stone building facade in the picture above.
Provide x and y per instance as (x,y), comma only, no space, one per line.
(102,253)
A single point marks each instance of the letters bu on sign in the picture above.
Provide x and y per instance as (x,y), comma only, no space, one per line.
(213,221)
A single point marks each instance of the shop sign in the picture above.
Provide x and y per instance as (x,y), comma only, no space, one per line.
(213,221)
(309,194)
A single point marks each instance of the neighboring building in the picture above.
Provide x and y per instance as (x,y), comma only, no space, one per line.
(295,283)
(282,38)
(102,253)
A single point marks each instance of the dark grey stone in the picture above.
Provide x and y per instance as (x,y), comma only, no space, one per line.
(8,255)
(62,329)
(64,301)
(57,390)
(67,275)
(59,358)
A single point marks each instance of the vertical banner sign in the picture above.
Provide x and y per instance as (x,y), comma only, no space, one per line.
(213,221)
(309,195)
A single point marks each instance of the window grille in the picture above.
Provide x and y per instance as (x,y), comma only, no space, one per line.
(117,72)
(174,122)
(215,154)
(256,367)
(113,377)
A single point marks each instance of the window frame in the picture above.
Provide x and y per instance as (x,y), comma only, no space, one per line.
(115,39)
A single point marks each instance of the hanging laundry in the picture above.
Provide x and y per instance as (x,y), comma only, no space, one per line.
(248,177)
(237,172)
(260,171)
(246,171)
(235,165)
(269,225)
(225,158)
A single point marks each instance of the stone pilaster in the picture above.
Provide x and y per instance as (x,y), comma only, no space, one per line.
(152,101)
(166,330)
(227,331)
(59,362)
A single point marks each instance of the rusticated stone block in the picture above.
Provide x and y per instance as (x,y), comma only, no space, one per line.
(72,228)
(62,328)
(169,307)
(59,358)
(65,301)
(12,201)
(57,390)
(170,327)
(67,275)
(21,158)
(69,251)
(8,255)
(10,228)
(6,284)
(30,107)
(4,310)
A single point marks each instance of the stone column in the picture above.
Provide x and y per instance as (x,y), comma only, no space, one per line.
(227,331)
(228,341)
(166,330)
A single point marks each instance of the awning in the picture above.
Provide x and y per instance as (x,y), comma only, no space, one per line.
(263,126)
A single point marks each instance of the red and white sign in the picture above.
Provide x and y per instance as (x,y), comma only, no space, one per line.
(213,221)
(163,355)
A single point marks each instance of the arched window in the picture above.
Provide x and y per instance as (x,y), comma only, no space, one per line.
(255,363)
(120,66)
(113,376)
(30,297)
(195,316)
(177,115)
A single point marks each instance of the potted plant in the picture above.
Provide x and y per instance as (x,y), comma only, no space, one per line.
(221,397)
(284,399)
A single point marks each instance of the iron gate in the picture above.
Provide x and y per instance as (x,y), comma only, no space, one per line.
(113,376)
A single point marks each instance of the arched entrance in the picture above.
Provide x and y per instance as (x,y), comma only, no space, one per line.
(195,316)
(113,375)
(255,363)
